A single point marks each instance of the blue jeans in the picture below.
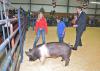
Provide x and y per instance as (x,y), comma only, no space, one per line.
(39,32)
(61,39)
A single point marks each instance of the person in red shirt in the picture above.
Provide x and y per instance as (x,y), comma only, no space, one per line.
(40,28)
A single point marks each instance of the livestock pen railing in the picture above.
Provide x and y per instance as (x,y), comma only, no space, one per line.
(11,49)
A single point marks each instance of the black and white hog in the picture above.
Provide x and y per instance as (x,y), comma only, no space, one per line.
(52,50)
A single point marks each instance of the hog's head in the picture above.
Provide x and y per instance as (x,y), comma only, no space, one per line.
(33,55)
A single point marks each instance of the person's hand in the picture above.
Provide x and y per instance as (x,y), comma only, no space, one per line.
(75,25)
(63,34)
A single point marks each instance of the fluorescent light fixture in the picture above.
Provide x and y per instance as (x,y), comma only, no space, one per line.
(95,2)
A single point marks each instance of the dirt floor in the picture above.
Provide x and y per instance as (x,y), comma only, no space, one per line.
(86,58)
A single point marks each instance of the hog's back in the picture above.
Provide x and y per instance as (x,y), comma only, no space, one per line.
(59,49)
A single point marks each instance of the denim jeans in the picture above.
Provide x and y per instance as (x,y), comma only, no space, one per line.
(39,32)
(61,39)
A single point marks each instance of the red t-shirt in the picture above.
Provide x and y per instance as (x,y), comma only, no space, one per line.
(42,24)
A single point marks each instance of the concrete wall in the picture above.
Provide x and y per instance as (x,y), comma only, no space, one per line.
(98,11)
(47,8)
(37,4)
(58,2)
(24,6)
(20,1)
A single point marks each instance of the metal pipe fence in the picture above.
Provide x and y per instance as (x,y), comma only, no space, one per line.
(14,55)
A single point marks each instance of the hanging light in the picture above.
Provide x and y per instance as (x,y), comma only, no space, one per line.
(53,3)
(92,2)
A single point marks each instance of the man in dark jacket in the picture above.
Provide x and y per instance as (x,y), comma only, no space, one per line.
(80,27)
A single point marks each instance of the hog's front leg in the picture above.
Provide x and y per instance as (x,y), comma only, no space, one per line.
(42,59)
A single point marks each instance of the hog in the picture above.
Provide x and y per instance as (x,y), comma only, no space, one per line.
(50,50)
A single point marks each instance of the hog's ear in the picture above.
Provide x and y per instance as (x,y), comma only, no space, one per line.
(27,53)
(30,50)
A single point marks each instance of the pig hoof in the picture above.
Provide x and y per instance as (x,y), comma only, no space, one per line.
(67,63)
(62,59)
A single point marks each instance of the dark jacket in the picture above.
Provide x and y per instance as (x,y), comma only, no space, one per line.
(81,21)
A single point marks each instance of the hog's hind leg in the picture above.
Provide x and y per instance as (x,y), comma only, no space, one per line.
(66,60)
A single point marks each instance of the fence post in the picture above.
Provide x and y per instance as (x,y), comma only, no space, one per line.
(20,32)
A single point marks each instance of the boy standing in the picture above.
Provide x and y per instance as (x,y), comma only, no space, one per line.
(60,30)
